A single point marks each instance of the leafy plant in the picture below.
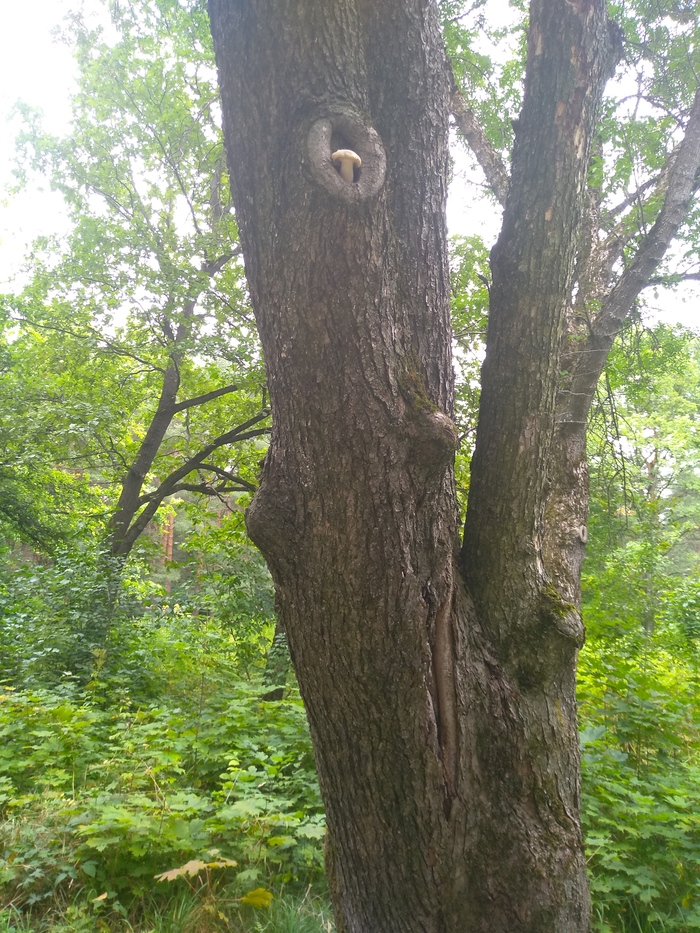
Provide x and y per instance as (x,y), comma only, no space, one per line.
(100,793)
(641,783)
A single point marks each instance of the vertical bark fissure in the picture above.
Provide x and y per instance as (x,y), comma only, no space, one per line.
(445,675)
(443,658)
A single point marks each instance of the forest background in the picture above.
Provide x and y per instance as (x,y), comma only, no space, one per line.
(155,768)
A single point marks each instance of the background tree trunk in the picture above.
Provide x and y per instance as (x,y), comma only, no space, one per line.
(439,684)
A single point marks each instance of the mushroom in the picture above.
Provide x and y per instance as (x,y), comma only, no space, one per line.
(347,161)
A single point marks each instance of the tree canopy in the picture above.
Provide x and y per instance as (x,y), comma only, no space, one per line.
(145,360)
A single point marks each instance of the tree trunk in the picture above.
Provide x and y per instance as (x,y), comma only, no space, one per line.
(120,543)
(588,339)
(438,681)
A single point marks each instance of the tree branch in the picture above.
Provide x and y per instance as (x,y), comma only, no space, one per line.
(674,278)
(237,434)
(496,173)
(206,489)
(679,192)
(631,198)
(100,341)
(203,399)
(229,477)
(169,485)
(216,265)
(589,358)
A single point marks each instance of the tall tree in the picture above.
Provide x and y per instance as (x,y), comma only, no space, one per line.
(438,675)
(138,322)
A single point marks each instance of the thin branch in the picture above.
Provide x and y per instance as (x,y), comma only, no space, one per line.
(496,173)
(213,266)
(206,489)
(169,485)
(195,462)
(203,399)
(679,192)
(631,198)
(674,278)
(101,341)
(680,187)
(230,477)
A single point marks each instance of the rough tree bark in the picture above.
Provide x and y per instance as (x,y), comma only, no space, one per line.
(604,298)
(438,676)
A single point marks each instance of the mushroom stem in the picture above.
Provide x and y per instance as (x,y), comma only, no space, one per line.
(347,170)
(347,161)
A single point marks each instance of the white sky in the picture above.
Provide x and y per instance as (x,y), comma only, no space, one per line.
(40,71)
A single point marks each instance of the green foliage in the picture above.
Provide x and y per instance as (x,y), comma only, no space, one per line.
(54,616)
(43,502)
(641,782)
(683,608)
(139,316)
(229,581)
(487,56)
(639,674)
(644,463)
(469,289)
(101,795)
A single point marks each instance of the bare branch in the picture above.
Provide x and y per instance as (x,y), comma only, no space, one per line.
(632,198)
(196,462)
(680,188)
(203,490)
(203,399)
(497,174)
(230,477)
(170,485)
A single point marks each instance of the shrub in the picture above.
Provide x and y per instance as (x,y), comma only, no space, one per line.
(100,792)
(641,783)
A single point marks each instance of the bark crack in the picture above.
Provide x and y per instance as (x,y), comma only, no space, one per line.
(445,700)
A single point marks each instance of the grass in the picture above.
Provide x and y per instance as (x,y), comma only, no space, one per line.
(185,914)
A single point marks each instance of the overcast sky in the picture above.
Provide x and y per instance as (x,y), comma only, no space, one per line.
(40,71)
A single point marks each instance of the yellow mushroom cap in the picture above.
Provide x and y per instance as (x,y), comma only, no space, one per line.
(349,161)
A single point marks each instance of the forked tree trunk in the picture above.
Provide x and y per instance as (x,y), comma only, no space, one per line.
(438,677)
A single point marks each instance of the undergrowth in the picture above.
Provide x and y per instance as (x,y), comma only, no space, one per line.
(155,791)
(184,914)
(161,754)
(640,741)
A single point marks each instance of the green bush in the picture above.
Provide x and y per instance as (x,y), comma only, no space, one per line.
(161,751)
(99,793)
(54,616)
(641,783)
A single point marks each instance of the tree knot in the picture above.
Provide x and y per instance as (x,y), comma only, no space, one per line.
(564,616)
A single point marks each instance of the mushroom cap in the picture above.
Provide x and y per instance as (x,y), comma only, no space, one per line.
(343,155)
